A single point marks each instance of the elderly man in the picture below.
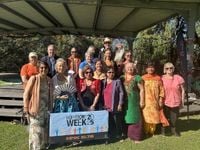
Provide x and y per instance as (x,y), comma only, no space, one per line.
(50,59)
(106,44)
(88,61)
(30,68)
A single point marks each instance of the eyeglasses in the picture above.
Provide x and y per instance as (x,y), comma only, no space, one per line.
(169,68)
(88,72)
(110,72)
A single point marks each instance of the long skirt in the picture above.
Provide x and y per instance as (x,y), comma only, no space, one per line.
(135,131)
(38,133)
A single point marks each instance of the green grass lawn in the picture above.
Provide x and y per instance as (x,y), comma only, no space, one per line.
(15,137)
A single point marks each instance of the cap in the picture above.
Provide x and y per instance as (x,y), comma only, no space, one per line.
(33,54)
(107,40)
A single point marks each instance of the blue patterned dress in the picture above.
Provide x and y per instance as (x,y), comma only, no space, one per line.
(68,89)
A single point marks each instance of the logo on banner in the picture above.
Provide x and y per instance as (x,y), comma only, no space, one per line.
(80,120)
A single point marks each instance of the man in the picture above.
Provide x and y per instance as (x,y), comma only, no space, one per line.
(30,68)
(50,59)
(106,44)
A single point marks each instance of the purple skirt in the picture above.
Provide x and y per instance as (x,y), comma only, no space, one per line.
(135,131)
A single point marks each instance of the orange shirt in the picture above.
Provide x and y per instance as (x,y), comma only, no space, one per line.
(28,70)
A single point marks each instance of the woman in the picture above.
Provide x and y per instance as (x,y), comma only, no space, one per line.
(174,96)
(108,62)
(37,99)
(154,94)
(73,62)
(89,90)
(30,68)
(128,58)
(134,101)
(64,89)
(112,95)
(98,73)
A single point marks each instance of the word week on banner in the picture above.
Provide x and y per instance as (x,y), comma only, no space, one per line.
(78,123)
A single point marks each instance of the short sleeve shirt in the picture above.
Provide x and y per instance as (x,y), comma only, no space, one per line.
(173,91)
(28,70)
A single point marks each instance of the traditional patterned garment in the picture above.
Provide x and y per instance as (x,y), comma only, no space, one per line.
(73,64)
(38,131)
(68,89)
(99,76)
(153,90)
(132,108)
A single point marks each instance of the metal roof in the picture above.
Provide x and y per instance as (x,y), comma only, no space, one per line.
(110,17)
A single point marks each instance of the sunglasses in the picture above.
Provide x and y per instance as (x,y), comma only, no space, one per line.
(110,72)
(73,51)
(88,72)
(43,67)
(169,68)
(107,43)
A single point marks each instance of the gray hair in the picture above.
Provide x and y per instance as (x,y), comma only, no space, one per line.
(60,60)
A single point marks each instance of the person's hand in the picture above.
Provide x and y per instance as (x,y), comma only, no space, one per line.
(92,108)
(119,108)
(181,106)
(142,105)
(160,104)
(63,97)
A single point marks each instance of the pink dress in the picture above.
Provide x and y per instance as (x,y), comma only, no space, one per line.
(172,86)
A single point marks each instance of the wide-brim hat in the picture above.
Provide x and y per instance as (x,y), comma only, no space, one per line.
(106,40)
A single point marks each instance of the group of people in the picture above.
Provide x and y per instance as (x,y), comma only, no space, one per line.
(103,81)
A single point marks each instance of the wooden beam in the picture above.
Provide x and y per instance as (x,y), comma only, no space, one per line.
(40,9)
(11,24)
(132,13)
(20,15)
(86,31)
(70,15)
(97,12)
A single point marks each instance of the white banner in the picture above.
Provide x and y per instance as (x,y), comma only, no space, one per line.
(77,123)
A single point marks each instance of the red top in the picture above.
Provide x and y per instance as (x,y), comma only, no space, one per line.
(107,92)
(94,87)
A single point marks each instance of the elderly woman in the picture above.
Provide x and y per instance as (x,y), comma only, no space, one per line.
(99,73)
(134,102)
(30,68)
(89,89)
(174,96)
(37,100)
(64,89)
(88,61)
(112,96)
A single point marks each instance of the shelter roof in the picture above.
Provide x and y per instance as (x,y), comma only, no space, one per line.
(108,17)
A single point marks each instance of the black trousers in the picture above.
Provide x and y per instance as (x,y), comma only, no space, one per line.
(115,124)
(172,114)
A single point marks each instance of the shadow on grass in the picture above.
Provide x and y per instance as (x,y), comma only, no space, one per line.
(186,125)
(84,143)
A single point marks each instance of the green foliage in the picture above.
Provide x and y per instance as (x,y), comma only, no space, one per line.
(14,50)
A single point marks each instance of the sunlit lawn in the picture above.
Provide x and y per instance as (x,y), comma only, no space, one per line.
(15,137)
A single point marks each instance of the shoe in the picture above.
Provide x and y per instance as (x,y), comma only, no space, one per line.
(163,131)
(175,133)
